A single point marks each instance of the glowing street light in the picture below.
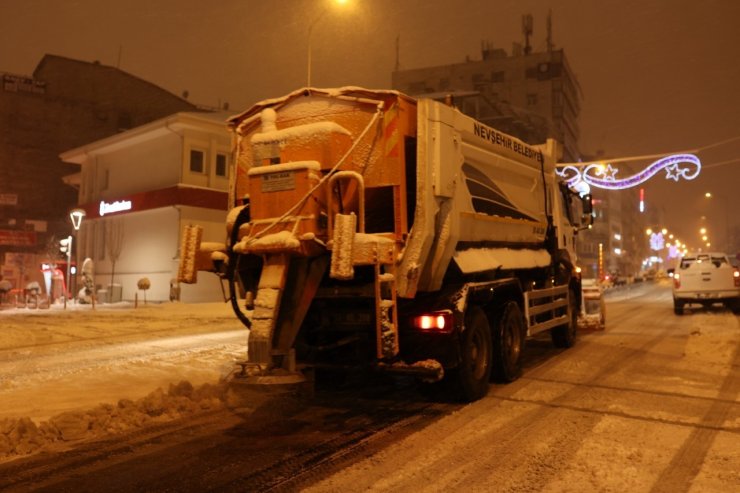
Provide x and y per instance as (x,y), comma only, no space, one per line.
(76,215)
(310,32)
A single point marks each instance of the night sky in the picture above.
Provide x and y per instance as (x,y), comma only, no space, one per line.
(657,76)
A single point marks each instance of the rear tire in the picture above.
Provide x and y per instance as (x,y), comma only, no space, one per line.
(734,305)
(508,343)
(565,335)
(677,307)
(474,372)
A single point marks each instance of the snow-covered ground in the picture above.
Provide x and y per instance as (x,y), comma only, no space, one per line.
(81,372)
(649,404)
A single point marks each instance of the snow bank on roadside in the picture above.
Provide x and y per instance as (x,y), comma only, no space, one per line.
(22,436)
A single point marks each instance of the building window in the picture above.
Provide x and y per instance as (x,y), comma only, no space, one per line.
(221,164)
(531,99)
(197,161)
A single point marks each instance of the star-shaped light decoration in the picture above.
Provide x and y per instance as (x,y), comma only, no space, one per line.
(672,172)
(609,172)
(677,166)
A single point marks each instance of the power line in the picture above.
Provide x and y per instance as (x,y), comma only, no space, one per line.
(717,144)
(721,163)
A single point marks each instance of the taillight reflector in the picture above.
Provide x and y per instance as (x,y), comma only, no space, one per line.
(677,280)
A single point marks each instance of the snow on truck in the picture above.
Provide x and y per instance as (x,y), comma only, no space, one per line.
(370,229)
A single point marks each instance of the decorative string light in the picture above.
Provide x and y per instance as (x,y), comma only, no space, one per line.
(686,166)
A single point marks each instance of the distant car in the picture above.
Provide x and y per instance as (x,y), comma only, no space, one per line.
(705,279)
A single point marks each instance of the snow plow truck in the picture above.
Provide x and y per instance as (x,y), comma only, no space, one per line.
(369,229)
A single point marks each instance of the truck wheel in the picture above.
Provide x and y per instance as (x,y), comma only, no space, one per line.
(508,343)
(677,307)
(565,335)
(734,305)
(475,368)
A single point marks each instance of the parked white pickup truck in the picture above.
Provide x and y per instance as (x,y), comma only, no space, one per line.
(706,278)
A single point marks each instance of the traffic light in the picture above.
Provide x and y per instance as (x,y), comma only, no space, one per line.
(65,244)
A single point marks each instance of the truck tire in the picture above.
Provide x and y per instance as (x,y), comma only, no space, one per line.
(508,343)
(476,348)
(677,307)
(565,335)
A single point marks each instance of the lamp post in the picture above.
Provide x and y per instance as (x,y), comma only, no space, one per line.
(310,32)
(66,247)
(76,216)
(723,200)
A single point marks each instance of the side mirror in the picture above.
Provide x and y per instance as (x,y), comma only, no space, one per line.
(587,207)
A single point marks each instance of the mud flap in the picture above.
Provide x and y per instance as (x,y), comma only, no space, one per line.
(189,245)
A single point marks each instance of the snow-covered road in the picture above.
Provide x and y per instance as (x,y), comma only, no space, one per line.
(651,404)
(53,361)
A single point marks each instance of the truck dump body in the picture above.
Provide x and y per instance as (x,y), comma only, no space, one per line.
(353,210)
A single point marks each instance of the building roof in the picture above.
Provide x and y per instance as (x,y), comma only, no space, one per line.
(184,119)
(340,92)
(50,65)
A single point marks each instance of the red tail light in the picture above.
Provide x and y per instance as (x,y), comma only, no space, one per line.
(736,276)
(677,280)
(440,322)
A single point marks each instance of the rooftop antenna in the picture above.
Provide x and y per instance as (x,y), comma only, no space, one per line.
(527,23)
(550,44)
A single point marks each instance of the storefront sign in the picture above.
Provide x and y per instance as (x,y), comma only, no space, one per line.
(117,206)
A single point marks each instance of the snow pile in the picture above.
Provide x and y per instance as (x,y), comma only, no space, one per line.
(283,240)
(22,436)
(306,131)
(284,168)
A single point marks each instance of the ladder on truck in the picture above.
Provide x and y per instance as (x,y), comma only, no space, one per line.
(351,246)
(548,301)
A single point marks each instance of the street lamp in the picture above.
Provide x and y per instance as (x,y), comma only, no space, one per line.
(710,196)
(76,216)
(310,31)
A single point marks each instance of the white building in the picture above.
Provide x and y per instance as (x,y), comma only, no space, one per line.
(139,189)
